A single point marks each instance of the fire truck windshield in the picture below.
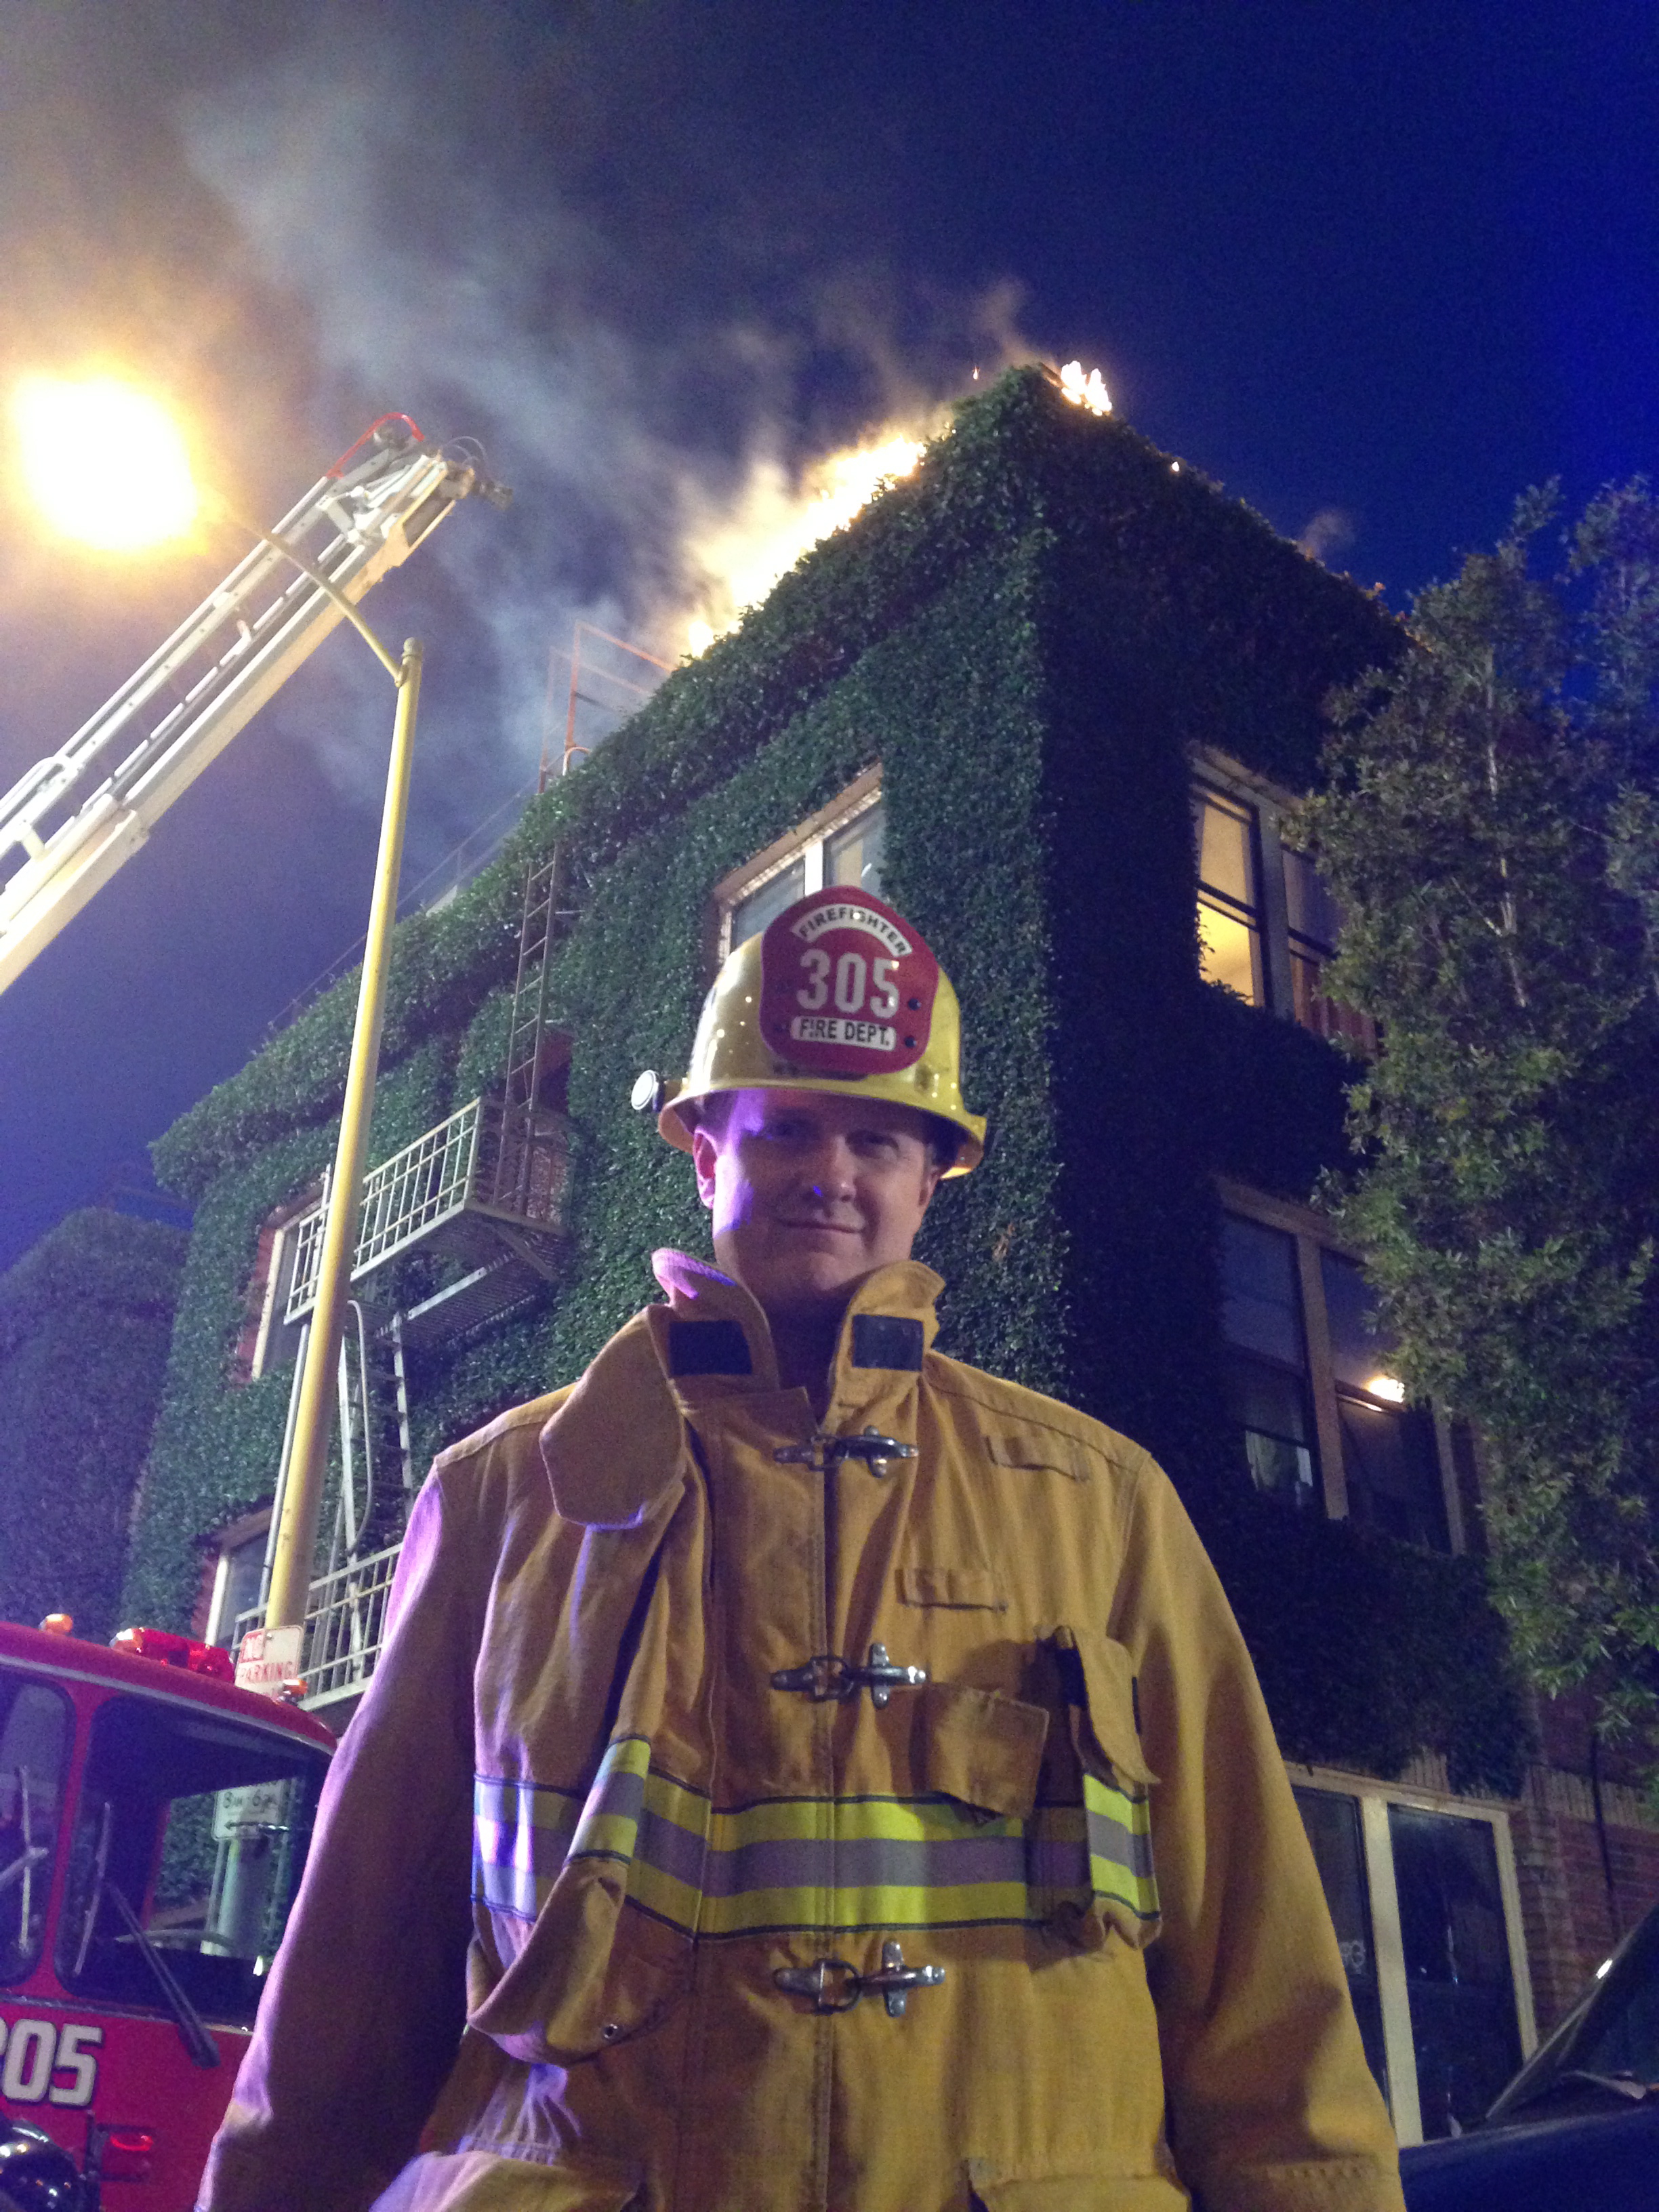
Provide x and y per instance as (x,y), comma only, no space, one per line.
(188,1841)
(35,1731)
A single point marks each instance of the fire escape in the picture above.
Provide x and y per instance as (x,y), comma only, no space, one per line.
(484,1192)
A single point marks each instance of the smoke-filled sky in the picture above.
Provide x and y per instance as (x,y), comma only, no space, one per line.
(1375,268)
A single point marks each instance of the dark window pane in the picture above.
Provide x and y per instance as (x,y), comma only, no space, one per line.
(1311,911)
(1457,1964)
(1262,1301)
(1332,1821)
(1315,1011)
(1269,1406)
(1360,1348)
(1392,1468)
(750,915)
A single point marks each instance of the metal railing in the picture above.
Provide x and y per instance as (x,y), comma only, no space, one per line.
(345,1625)
(462,1163)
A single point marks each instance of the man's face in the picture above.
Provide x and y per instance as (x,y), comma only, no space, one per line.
(809,1190)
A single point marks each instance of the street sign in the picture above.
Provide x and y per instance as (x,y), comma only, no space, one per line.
(269,1657)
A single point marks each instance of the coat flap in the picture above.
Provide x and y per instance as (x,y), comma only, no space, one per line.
(981,1748)
(952,1586)
(614,1448)
(1105,1720)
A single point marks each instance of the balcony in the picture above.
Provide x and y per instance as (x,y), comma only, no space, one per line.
(486,1185)
(345,1627)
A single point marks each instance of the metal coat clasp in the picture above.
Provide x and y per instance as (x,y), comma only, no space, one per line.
(827,1678)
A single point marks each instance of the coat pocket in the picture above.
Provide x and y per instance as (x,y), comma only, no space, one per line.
(1095,1858)
(590,1974)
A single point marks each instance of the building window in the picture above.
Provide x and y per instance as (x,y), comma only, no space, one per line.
(1319,1417)
(1424,1901)
(1313,923)
(1267,1359)
(1266,923)
(841,844)
(236,1562)
(1390,1454)
(1229,901)
(265,1339)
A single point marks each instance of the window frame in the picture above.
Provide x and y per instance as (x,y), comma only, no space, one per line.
(1267,803)
(807,841)
(1311,1234)
(1252,916)
(1423,1791)
(246,1529)
(265,1341)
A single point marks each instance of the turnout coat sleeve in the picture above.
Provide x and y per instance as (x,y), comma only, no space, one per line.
(366,2004)
(1271,2107)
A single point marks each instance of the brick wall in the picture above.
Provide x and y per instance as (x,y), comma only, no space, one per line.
(1570,1922)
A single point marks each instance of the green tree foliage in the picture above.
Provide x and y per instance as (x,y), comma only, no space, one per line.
(1489,827)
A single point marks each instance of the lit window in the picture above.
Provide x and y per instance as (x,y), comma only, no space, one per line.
(1229,908)
(1266,922)
(1267,1359)
(843,844)
(1390,1459)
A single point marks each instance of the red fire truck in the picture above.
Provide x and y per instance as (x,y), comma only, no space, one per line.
(153,1821)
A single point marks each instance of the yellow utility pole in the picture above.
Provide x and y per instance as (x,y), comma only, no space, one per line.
(302,1492)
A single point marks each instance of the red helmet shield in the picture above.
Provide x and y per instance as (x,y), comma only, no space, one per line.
(847,986)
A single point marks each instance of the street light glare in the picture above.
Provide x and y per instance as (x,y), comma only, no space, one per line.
(104,461)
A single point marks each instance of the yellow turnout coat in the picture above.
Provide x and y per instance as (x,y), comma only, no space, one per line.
(760,1920)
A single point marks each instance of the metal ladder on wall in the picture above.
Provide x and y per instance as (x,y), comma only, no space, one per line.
(377,1460)
(542,921)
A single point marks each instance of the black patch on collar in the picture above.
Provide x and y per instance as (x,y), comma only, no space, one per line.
(887,1341)
(708,1347)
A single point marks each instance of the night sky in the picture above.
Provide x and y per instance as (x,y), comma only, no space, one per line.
(1375,269)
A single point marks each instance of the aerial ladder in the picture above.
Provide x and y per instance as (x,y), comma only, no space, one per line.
(71,820)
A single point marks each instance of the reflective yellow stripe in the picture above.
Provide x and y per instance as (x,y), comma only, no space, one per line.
(830,1864)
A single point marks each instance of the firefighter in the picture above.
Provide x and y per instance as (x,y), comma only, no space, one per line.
(869,1802)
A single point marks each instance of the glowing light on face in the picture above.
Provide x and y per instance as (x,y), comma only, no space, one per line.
(776,523)
(1388,1387)
(103,461)
(1085,391)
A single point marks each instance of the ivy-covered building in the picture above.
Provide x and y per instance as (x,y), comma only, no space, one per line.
(1050,695)
(86,1319)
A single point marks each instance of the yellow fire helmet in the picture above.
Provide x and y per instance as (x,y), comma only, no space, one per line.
(839,994)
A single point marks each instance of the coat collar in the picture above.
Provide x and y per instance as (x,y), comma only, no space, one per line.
(613,1450)
(714,1337)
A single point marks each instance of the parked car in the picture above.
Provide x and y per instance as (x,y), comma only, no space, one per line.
(1579,2124)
